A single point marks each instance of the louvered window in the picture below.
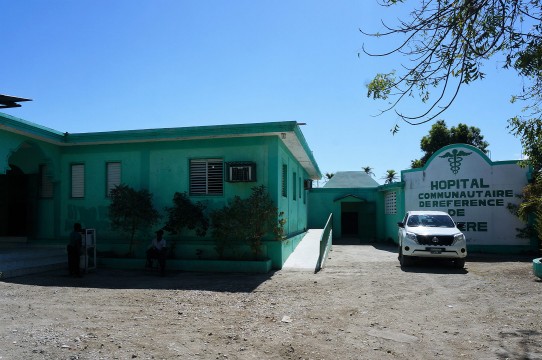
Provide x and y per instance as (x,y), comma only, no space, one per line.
(46,185)
(294,187)
(78,180)
(284,180)
(113,176)
(206,177)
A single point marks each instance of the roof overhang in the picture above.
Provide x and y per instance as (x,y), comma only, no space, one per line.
(350,198)
(7,101)
(288,132)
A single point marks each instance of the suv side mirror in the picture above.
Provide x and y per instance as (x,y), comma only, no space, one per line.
(400,224)
(461,226)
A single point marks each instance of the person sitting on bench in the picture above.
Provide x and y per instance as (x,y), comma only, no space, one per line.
(157,250)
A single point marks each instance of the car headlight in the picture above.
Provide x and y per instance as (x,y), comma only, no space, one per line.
(411,237)
(459,237)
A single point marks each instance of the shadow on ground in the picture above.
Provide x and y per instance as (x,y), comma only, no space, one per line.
(141,279)
(434,266)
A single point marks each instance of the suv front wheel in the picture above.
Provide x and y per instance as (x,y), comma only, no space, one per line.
(459,263)
(404,260)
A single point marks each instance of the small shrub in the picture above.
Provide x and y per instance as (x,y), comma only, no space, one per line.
(131,211)
(184,214)
(247,220)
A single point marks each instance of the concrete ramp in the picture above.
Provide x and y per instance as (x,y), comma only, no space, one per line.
(305,255)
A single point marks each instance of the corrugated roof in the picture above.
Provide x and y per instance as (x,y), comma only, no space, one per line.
(351,179)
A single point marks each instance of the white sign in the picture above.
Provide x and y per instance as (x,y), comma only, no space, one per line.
(464,182)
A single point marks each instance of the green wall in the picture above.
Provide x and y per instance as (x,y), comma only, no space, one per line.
(161,167)
(391,218)
(363,201)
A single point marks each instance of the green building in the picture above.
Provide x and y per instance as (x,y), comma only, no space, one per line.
(50,179)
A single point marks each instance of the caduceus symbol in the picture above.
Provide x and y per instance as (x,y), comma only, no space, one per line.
(455,158)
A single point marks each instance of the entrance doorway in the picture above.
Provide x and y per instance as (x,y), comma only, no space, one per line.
(358,220)
(15,201)
(349,223)
(19,192)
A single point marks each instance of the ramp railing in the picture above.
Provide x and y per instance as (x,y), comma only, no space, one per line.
(325,243)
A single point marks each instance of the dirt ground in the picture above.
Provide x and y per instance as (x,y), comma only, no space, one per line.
(362,305)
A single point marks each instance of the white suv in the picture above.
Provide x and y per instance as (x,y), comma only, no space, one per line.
(431,234)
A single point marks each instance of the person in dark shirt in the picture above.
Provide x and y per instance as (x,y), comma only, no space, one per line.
(74,250)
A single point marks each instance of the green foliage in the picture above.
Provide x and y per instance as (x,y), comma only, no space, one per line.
(131,211)
(184,214)
(381,86)
(368,170)
(530,133)
(246,220)
(391,176)
(446,44)
(440,136)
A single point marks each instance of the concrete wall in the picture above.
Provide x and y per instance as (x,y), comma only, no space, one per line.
(163,169)
(364,201)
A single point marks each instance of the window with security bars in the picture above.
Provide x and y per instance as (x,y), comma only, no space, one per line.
(207,177)
(78,181)
(113,175)
(294,192)
(284,180)
(390,203)
(46,184)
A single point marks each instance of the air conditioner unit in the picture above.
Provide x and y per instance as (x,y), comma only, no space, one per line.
(241,171)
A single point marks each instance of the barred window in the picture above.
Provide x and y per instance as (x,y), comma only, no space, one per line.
(46,184)
(284,180)
(113,176)
(78,181)
(206,177)
(294,186)
(390,203)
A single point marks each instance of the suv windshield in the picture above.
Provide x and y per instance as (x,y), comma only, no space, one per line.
(431,221)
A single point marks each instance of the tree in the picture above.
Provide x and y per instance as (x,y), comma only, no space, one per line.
(440,136)
(446,44)
(131,211)
(368,170)
(390,176)
(247,220)
(530,133)
(184,214)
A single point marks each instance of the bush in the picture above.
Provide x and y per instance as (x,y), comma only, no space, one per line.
(247,220)
(131,211)
(186,215)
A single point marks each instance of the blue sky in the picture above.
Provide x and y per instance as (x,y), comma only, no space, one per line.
(116,65)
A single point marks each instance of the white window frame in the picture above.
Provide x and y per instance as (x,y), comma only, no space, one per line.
(113,171)
(206,177)
(77,171)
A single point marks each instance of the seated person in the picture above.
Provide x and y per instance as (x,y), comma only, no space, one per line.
(157,250)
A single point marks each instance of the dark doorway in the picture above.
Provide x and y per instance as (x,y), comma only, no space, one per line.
(16,209)
(349,223)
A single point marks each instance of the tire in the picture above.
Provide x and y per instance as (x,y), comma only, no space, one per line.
(459,263)
(404,260)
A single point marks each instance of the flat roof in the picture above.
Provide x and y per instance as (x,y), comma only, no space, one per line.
(287,131)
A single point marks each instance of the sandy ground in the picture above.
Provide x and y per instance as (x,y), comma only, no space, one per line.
(361,306)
